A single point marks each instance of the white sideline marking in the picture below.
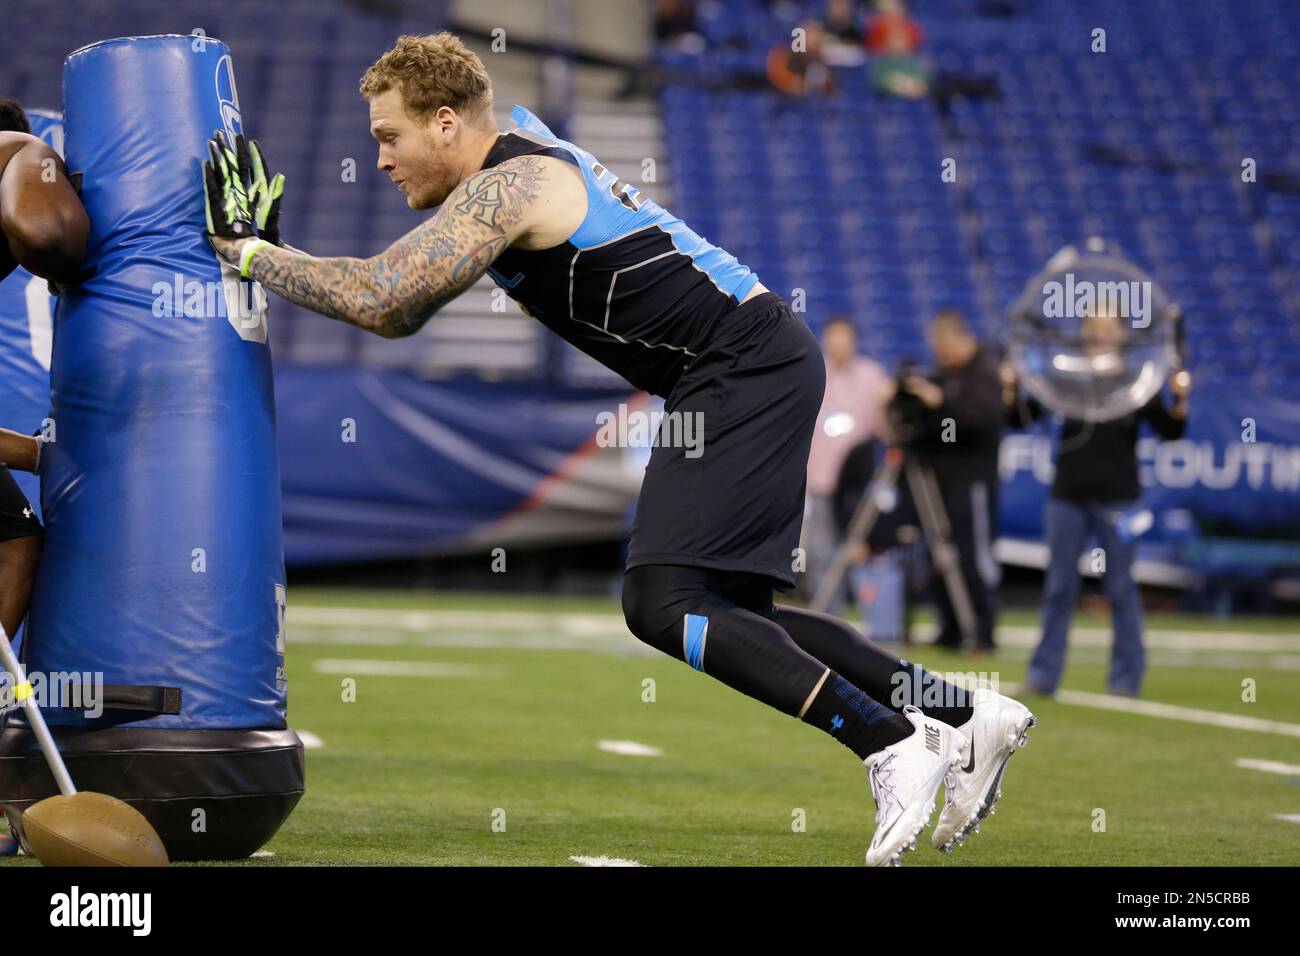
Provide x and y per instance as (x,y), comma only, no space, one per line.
(618,644)
(603,861)
(1269,766)
(1190,715)
(371,668)
(1175,640)
(584,629)
(309,740)
(263,854)
(1288,817)
(629,748)
(469,620)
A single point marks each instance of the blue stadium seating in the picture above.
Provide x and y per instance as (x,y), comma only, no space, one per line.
(842,195)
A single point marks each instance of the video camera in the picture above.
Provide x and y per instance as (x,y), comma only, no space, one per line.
(905,411)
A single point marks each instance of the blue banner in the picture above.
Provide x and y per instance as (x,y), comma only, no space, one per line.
(1236,472)
(381,464)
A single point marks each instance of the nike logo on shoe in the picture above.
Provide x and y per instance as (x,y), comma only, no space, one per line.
(932,739)
(970,764)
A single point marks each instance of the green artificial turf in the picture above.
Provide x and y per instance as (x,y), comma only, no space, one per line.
(417,768)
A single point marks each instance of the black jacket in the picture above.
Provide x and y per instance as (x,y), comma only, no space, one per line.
(972,399)
(1097,461)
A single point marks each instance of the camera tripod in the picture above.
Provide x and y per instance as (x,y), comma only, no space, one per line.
(935,528)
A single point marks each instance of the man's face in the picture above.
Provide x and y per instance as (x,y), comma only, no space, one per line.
(419,157)
(839,12)
(952,348)
(839,343)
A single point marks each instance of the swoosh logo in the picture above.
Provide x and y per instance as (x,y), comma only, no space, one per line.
(970,764)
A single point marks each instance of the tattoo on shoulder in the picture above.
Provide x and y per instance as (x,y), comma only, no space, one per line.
(497,196)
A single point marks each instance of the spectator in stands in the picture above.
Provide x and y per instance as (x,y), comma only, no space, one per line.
(960,433)
(892,32)
(844,33)
(844,21)
(674,24)
(851,413)
(797,65)
(1095,494)
(894,41)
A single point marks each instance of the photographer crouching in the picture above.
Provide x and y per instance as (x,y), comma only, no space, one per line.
(952,421)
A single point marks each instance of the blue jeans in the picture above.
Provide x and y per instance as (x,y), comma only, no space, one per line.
(1069,526)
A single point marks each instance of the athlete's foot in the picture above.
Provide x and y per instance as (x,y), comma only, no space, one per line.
(998,726)
(904,780)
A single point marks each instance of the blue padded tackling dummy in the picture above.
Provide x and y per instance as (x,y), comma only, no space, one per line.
(163,564)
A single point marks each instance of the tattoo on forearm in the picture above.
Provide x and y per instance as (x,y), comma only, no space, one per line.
(397,291)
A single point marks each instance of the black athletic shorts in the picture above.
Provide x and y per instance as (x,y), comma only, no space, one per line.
(17,519)
(754,391)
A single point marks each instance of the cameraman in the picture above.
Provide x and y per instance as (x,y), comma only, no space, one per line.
(954,418)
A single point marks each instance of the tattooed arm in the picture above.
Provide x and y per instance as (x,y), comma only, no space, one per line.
(394,293)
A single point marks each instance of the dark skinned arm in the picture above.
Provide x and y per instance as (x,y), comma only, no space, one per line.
(44,224)
(18,451)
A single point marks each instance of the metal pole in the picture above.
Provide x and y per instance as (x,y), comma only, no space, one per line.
(23,691)
(860,525)
(938,535)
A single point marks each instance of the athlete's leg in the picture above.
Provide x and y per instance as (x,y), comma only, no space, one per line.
(20,552)
(886,678)
(696,616)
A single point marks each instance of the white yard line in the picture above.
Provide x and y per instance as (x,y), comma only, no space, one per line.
(629,748)
(1269,766)
(623,643)
(309,740)
(1175,640)
(1288,817)
(603,861)
(463,619)
(606,627)
(372,668)
(1148,708)
(606,633)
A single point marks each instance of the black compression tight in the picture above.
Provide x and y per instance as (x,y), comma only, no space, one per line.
(724,623)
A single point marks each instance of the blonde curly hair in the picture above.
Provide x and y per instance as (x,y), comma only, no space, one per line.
(430,72)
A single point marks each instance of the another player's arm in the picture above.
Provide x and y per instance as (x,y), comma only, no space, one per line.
(41,215)
(394,293)
(18,451)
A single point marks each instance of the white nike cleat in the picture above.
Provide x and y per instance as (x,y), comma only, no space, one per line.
(904,780)
(998,726)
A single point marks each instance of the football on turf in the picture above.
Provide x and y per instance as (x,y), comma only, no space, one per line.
(91,829)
